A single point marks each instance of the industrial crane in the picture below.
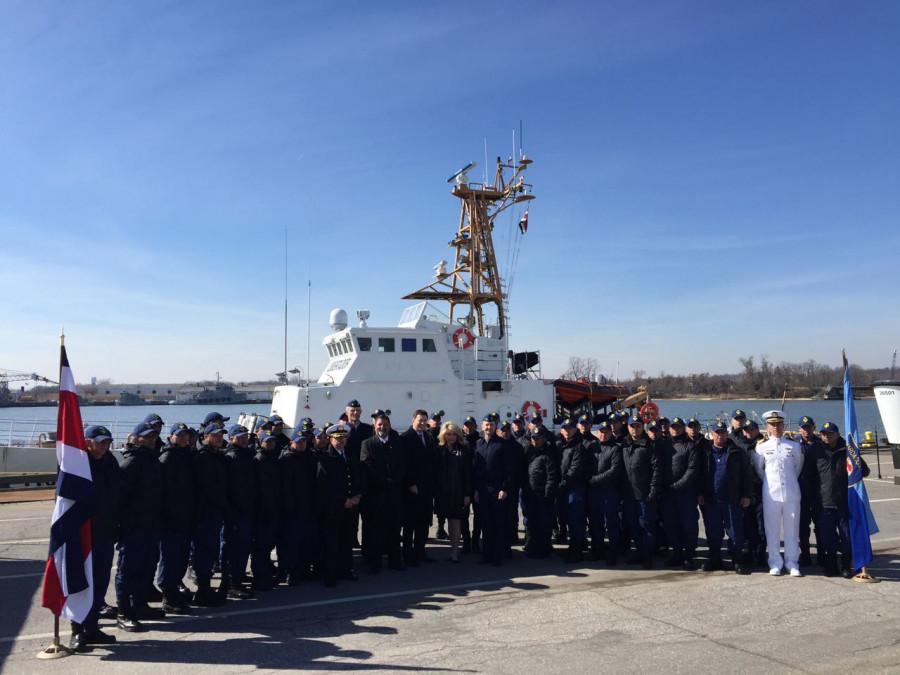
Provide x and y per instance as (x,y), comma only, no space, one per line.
(7,376)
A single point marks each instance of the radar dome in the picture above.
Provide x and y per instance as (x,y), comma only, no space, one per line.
(338,319)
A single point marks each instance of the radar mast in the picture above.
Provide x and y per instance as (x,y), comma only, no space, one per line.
(473,281)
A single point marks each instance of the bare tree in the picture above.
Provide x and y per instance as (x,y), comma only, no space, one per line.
(583,367)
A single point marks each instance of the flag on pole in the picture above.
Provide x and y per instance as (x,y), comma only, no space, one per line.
(862,522)
(523,222)
(68,581)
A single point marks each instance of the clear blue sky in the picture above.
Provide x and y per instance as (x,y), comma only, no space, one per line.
(714,179)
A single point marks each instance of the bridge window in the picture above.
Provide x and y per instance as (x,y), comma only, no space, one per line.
(365,344)
(385,344)
(408,344)
(428,345)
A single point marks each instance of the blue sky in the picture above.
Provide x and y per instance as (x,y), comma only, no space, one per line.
(714,180)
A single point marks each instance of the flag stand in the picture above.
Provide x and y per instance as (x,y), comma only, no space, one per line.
(865,578)
(56,650)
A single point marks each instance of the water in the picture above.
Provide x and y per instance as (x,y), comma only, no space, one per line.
(30,422)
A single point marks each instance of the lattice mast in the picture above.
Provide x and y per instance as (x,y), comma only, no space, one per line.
(473,281)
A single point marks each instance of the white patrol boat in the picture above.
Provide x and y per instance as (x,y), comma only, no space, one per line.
(458,363)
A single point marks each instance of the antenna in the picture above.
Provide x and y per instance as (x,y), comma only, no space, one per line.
(285,301)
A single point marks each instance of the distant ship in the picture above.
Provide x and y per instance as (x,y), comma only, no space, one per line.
(457,362)
(218,393)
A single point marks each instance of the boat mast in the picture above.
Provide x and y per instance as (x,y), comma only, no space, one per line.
(474,281)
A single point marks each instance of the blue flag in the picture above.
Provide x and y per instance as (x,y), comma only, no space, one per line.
(862,522)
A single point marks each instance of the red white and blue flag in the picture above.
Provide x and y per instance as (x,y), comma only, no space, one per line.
(68,581)
(523,222)
(862,522)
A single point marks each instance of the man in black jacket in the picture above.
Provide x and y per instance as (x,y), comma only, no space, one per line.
(643,487)
(210,506)
(140,516)
(299,538)
(267,512)
(573,474)
(539,493)
(420,450)
(808,439)
(177,518)
(726,483)
(825,470)
(681,469)
(338,489)
(605,472)
(106,484)
(385,477)
(493,467)
(237,534)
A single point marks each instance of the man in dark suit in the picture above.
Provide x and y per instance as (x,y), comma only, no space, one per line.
(422,461)
(339,490)
(383,463)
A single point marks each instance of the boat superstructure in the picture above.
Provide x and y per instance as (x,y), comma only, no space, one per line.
(458,361)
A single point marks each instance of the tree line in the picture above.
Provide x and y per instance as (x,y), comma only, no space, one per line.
(759,378)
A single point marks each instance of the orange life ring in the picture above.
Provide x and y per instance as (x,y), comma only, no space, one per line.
(463,338)
(528,405)
(649,412)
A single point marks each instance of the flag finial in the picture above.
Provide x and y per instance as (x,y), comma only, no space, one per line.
(62,336)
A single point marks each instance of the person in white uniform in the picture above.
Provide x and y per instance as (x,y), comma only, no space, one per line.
(778,462)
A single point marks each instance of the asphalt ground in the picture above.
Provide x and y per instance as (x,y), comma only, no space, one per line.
(527,616)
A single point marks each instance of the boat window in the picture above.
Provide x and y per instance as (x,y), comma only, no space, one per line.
(408,344)
(428,345)
(365,344)
(330,350)
(348,345)
(385,344)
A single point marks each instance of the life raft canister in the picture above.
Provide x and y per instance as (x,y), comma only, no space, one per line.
(463,338)
(649,412)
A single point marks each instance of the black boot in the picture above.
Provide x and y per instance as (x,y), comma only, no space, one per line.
(739,560)
(829,564)
(676,559)
(206,597)
(688,562)
(173,603)
(846,566)
(647,561)
(126,620)
(77,643)
(714,563)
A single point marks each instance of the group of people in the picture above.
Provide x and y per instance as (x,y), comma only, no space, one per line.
(222,498)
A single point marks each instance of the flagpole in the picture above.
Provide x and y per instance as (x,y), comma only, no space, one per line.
(56,650)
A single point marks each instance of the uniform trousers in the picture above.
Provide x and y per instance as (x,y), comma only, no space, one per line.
(138,555)
(416,518)
(298,543)
(538,514)
(338,530)
(719,518)
(101,567)
(575,515)
(174,550)
(493,524)
(381,531)
(643,516)
(603,507)
(205,541)
(237,541)
(265,536)
(680,519)
(833,532)
(788,513)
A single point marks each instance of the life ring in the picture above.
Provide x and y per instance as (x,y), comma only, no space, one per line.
(463,338)
(528,405)
(649,412)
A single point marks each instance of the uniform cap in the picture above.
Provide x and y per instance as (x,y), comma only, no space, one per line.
(655,424)
(214,417)
(635,420)
(234,430)
(262,423)
(299,434)
(719,425)
(504,425)
(536,432)
(177,428)
(773,416)
(378,413)
(276,419)
(339,430)
(213,428)
(470,420)
(750,424)
(603,426)
(153,418)
(536,419)
(830,427)
(677,422)
(143,429)
(97,432)
(586,419)
(664,420)
(353,403)
(567,422)
(266,435)
(318,431)
(738,415)
(518,417)
(807,422)
(693,421)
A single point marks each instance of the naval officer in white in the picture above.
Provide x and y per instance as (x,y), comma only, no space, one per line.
(778,462)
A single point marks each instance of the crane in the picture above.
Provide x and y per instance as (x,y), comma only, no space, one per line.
(7,376)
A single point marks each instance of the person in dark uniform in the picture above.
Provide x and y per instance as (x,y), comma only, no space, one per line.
(418,495)
(681,470)
(237,533)
(210,506)
(471,535)
(754,522)
(643,487)
(214,417)
(299,541)
(338,489)
(282,439)
(157,423)
(605,472)
(807,439)
(358,431)
(539,492)
(434,428)
(267,512)
(825,468)
(492,478)
(177,519)
(106,480)
(385,478)
(735,432)
(140,515)
(572,486)
(470,431)
(726,484)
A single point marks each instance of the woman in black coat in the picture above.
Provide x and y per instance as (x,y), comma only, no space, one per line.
(454,486)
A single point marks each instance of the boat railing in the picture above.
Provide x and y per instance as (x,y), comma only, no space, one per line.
(42,433)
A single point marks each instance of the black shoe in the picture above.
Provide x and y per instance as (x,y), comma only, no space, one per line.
(348,576)
(847,573)
(573,555)
(129,624)
(153,594)
(238,592)
(78,643)
(425,558)
(206,597)
(712,565)
(805,559)
(108,612)
(442,534)
(173,608)
(187,596)
(688,565)
(144,611)
(741,569)
(98,637)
